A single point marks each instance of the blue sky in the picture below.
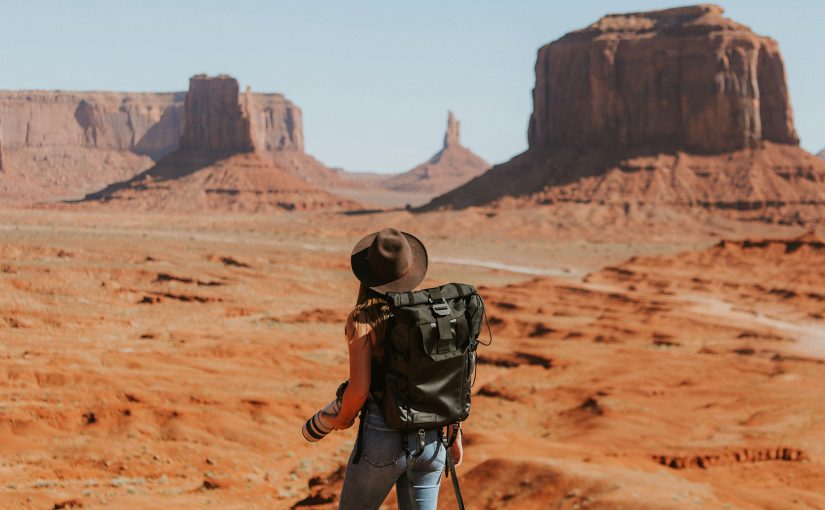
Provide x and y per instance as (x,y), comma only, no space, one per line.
(374,78)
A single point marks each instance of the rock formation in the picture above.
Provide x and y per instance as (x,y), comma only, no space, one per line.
(66,144)
(681,107)
(452,135)
(450,167)
(685,78)
(821,154)
(224,161)
(214,118)
(144,123)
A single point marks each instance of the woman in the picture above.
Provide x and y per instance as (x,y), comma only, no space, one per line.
(385,261)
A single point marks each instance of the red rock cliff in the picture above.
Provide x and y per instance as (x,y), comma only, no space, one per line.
(684,78)
(214,119)
(65,144)
(681,108)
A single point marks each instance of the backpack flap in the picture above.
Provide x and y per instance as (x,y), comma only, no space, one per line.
(440,338)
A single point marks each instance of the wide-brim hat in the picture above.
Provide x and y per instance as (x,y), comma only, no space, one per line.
(389,261)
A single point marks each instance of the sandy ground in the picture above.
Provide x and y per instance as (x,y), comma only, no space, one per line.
(169,361)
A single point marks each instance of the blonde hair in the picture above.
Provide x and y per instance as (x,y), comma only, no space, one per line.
(369,317)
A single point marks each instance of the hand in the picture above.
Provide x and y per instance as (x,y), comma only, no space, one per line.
(457,450)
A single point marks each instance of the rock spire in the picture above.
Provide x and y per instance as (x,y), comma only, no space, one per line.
(452,135)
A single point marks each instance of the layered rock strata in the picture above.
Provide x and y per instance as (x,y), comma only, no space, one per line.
(215,120)
(681,107)
(685,78)
(66,144)
(224,163)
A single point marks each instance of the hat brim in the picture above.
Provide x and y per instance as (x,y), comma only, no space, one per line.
(408,282)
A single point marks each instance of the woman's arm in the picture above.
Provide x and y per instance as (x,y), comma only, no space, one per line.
(360,364)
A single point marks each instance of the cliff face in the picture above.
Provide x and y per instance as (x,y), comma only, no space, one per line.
(685,78)
(66,144)
(225,159)
(680,108)
(218,119)
(275,123)
(214,118)
(144,123)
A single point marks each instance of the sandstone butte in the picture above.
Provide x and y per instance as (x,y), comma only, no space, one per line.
(225,159)
(61,145)
(449,168)
(678,107)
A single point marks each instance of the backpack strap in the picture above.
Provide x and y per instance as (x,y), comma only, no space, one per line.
(451,467)
(441,312)
(420,443)
(410,486)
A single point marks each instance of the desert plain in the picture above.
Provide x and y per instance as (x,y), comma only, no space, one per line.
(175,277)
(163,361)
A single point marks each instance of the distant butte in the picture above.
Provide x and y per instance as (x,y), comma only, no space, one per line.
(57,145)
(680,107)
(449,168)
(223,163)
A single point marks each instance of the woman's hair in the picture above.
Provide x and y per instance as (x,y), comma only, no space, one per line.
(371,313)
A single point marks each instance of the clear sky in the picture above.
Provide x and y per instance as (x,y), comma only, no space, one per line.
(374,78)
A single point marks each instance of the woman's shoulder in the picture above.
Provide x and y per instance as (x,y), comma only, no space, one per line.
(365,317)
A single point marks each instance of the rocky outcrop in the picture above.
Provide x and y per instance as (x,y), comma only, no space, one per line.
(685,78)
(215,120)
(144,123)
(821,154)
(681,107)
(275,123)
(65,144)
(225,160)
(453,135)
(450,167)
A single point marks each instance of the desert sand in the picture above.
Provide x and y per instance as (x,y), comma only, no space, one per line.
(653,275)
(171,360)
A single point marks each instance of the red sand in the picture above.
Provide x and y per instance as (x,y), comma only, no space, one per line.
(170,360)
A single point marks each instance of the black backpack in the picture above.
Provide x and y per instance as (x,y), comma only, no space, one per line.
(428,367)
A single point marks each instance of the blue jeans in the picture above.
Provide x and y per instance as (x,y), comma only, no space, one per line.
(384,463)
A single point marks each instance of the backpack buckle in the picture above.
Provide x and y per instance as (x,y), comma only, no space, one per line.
(441,308)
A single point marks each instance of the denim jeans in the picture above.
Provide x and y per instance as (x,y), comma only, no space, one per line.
(384,464)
